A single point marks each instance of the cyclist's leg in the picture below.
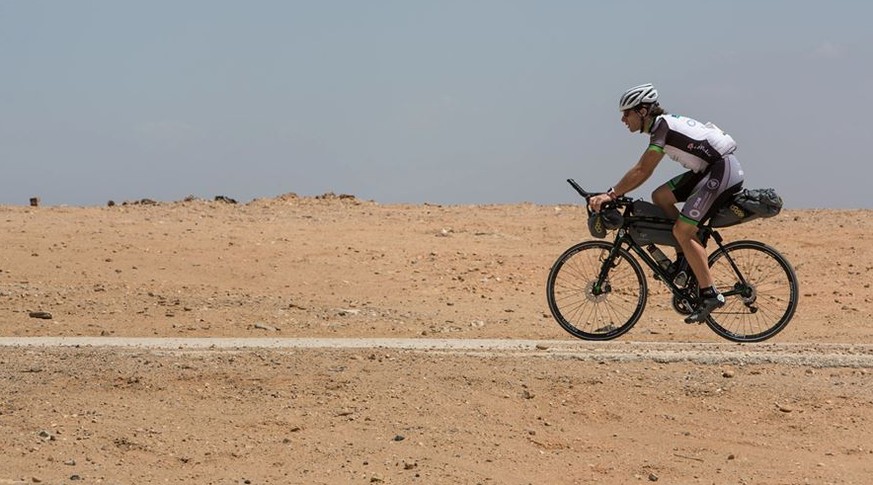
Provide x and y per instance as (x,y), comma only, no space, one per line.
(722,177)
(667,195)
(675,190)
(663,197)
(685,232)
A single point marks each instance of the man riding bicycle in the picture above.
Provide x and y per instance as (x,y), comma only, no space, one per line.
(714,175)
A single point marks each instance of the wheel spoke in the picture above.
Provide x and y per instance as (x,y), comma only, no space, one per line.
(773,286)
(590,314)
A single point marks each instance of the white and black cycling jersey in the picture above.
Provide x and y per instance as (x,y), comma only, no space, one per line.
(693,144)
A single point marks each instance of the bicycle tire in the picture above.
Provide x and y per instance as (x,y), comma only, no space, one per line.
(572,299)
(770,298)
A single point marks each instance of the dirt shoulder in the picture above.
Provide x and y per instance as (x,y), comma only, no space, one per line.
(399,416)
(468,380)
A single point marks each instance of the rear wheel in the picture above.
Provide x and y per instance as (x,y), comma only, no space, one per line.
(759,304)
(591,310)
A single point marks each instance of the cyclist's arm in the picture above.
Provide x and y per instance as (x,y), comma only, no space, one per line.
(640,172)
(634,177)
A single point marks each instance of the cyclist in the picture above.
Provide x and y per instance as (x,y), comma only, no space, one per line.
(714,174)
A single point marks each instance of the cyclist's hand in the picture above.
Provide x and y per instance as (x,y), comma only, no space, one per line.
(597,201)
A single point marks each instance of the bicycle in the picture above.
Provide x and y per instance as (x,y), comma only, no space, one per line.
(597,290)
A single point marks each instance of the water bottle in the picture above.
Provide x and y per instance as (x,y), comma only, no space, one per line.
(660,258)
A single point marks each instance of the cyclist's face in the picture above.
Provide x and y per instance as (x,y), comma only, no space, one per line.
(633,119)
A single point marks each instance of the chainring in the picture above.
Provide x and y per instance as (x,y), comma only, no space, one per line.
(682,305)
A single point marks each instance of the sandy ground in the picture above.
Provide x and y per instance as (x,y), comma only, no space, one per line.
(340,268)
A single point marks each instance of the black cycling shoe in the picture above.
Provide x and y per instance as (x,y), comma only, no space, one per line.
(707,305)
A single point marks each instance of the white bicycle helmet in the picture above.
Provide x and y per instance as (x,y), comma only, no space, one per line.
(635,96)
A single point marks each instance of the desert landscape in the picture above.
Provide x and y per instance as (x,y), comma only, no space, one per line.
(668,402)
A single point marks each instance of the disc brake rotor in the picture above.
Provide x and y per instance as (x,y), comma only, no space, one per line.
(593,297)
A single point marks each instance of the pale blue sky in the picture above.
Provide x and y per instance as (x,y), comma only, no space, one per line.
(450,102)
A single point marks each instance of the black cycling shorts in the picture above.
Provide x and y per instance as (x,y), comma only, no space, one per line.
(704,192)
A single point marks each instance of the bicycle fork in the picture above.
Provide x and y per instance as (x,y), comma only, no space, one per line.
(602,285)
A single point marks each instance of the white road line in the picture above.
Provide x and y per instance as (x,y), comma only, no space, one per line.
(812,355)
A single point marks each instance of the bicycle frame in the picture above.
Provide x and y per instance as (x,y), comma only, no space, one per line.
(597,290)
(623,238)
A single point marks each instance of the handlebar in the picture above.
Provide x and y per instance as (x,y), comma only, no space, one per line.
(621,201)
(579,189)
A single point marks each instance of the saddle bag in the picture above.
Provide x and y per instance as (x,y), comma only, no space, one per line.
(747,205)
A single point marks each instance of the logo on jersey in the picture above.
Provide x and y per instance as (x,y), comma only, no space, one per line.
(699,148)
(712,184)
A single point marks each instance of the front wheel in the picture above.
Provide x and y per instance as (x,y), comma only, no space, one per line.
(590,307)
(760,290)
